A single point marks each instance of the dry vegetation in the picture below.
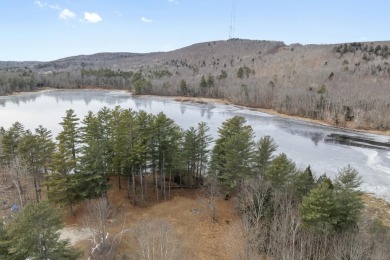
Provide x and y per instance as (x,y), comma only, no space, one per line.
(182,224)
(345,85)
(179,228)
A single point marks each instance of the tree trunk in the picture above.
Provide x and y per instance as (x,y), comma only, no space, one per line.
(133,183)
(20,192)
(71,209)
(142,183)
(119,182)
(128,187)
(145,185)
(169,185)
(36,187)
(156,186)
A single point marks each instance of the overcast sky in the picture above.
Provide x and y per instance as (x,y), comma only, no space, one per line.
(51,29)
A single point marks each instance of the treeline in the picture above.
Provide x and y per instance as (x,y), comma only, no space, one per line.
(347,92)
(17,81)
(378,50)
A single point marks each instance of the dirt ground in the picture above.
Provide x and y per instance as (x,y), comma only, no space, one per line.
(187,211)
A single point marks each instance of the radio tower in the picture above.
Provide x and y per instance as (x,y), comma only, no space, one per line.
(232,20)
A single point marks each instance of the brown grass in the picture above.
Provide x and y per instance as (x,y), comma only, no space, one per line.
(186,211)
(377,207)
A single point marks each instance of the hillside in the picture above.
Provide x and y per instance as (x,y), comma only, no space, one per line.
(342,84)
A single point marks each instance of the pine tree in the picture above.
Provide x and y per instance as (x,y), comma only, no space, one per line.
(190,152)
(318,208)
(10,141)
(63,182)
(239,160)
(37,151)
(301,183)
(280,171)
(166,140)
(141,147)
(334,206)
(265,148)
(69,136)
(5,243)
(204,140)
(235,143)
(46,147)
(203,85)
(93,174)
(28,149)
(348,198)
(123,144)
(34,234)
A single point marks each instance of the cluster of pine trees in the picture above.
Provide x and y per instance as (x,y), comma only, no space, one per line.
(120,142)
(286,212)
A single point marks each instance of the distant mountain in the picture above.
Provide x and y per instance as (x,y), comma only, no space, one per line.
(339,83)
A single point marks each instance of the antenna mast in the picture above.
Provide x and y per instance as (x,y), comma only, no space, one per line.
(232,20)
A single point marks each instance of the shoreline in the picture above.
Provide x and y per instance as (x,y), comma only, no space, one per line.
(206,100)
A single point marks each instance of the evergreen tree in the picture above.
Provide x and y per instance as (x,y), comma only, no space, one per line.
(264,150)
(141,147)
(204,140)
(318,208)
(28,149)
(210,81)
(63,182)
(46,147)
(69,135)
(239,159)
(5,243)
(203,85)
(280,171)
(334,207)
(302,183)
(34,234)
(183,87)
(348,198)
(190,152)
(37,151)
(92,177)
(166,140)
(123,144)
(235,143)
(10,141)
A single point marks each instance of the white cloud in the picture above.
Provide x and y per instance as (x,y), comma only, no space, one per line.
(40,4)
(92,17)
(55,7)
(67,14)
(146,20)
(173,1)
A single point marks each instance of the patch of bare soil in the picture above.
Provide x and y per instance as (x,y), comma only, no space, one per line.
(187,212)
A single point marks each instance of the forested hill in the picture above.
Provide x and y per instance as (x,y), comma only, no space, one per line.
(343,84)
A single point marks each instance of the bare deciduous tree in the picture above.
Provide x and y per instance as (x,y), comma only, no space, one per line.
(96,222)
(156,239)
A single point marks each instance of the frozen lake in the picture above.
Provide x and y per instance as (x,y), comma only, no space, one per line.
(325,149)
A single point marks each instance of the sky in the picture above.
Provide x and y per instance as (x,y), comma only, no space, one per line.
(51,29)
